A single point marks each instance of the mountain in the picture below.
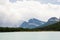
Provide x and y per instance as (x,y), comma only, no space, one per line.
(53,27)
(32,23)
(36,21)
(24,24)
(51,21)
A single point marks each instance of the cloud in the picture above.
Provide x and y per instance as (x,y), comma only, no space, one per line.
(11,14)
(12,1)
(51,1)
(46,1)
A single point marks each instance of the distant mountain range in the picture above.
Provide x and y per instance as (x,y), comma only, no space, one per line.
(52,27)
(51,21)
(33,23)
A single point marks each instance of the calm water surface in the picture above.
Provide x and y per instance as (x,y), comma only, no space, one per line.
(30,36)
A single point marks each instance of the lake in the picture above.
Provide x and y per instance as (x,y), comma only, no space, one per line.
(29,35)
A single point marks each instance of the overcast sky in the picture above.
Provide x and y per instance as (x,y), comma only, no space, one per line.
(16,10)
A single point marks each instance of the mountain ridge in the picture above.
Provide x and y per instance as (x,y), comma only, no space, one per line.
(32,23)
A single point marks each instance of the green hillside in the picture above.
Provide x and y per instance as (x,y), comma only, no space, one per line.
(53,27)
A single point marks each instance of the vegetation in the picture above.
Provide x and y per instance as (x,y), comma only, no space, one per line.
(54,27)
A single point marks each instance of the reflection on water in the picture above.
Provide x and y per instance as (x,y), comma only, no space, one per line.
(30,36)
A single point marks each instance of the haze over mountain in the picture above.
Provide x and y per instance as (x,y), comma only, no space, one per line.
(12,12)
(34,23)
(51,21)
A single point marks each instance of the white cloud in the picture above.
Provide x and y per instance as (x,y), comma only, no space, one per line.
(58,0)
(14,12)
